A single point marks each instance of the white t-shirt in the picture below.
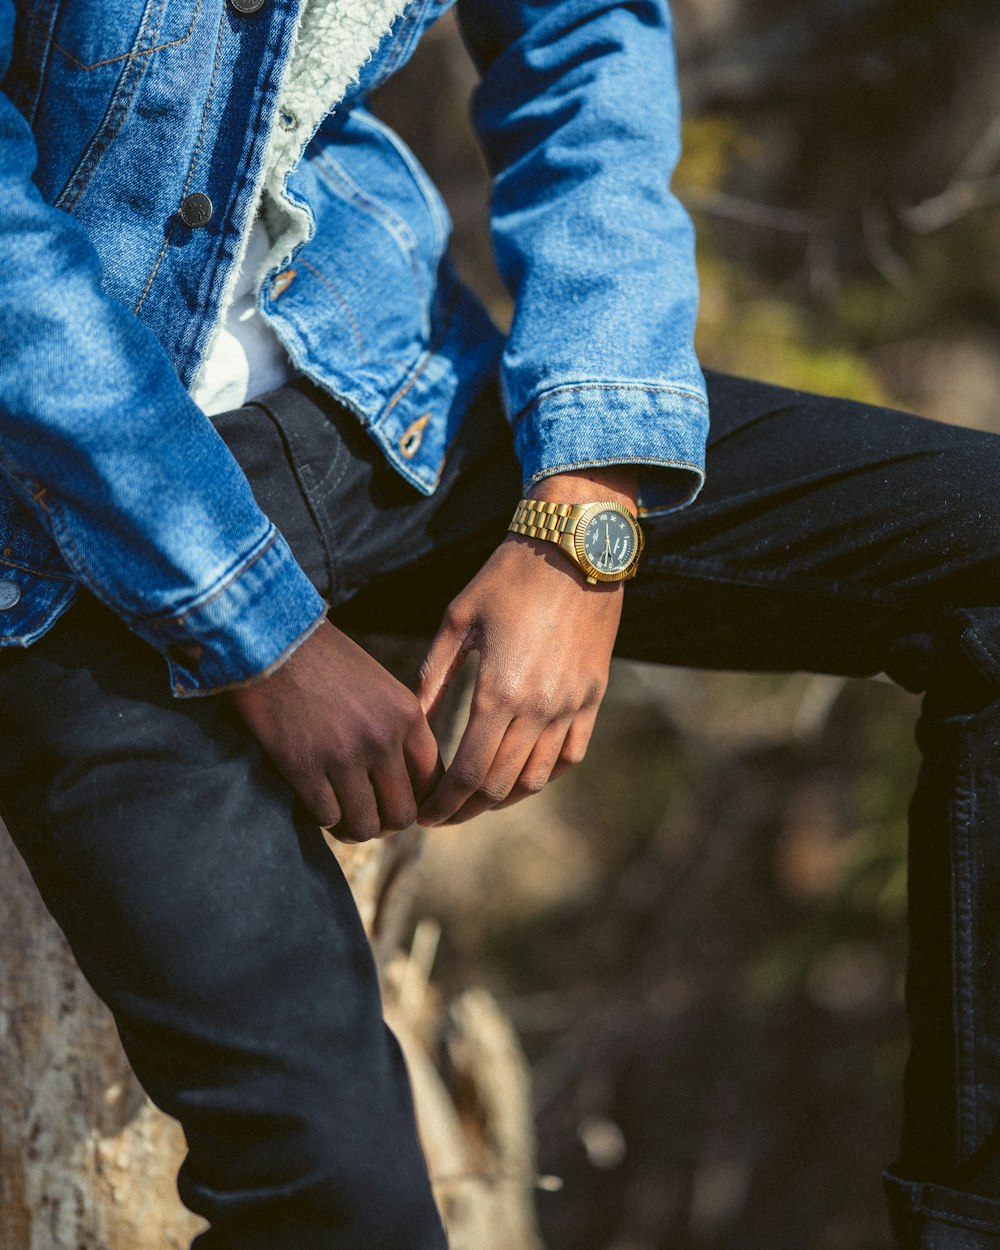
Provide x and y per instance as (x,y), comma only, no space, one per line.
(246,358)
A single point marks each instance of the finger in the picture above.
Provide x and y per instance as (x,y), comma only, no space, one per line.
(360,820)
(469,769)
(393,790)
(518,745)
(423,759)
(444,657)
(576,742)
(541,766)
(322,803)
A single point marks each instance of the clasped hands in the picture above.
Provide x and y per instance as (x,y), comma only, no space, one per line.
(355,743)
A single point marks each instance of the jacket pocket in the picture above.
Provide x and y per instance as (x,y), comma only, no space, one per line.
(91,34)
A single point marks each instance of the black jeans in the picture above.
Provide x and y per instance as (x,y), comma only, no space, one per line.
(206,911)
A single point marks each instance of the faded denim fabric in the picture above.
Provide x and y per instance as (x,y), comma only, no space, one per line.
(115,110)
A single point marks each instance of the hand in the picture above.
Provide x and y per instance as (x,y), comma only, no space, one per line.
(544,639)
(350,739)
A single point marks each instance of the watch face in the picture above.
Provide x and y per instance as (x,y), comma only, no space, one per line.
(609,542)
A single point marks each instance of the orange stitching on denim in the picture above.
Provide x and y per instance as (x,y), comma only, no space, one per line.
(230,580)
(125,56)
(414,376)
(342,302)
(193,165)
(34,572)
(39,497)
(118,111)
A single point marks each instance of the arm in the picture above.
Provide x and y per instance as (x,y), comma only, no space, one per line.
(579,117)
(100,439)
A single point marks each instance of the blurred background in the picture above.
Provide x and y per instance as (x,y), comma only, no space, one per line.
(699,934)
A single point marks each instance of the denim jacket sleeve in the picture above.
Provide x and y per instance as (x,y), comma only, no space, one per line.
(103,445)
(578,113)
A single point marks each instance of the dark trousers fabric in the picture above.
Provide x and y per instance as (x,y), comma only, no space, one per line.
(205,909)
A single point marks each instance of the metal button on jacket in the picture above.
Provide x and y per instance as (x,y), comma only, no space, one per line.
(10,592)
(247,7)
(196,210)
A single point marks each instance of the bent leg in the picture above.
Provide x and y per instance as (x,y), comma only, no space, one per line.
(841,538)
(217,926)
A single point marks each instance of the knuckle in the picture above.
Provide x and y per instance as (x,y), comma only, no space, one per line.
(327,815)
(454,619)
(532,783)
(594,694)
(573,754)
(381,741)
(506,693)
(464,778)
(411,713)
(546,704)
(399,820)
(494,790)
(364,830)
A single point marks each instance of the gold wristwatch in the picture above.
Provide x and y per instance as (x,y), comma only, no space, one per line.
(603,540)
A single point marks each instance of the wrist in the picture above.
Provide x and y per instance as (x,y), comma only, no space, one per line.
(617,483)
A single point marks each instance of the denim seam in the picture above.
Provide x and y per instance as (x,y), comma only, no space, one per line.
(179,688)
(188,342)
(64,540)
(125,56)
(111,123)
(962,963)
(418,369)
(42,37)
(662,461)
(957,1221)
(395,226)
(181,618)
(24,568)
(315,494)
(421,180)
(404,38)
(649,388)
(194,161)
(345,307)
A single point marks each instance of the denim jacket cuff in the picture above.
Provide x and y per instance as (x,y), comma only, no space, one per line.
(242,629)
(661,428)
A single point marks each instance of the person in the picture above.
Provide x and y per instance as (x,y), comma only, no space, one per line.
(247,406)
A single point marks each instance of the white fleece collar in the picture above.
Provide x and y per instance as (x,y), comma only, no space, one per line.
(334,38)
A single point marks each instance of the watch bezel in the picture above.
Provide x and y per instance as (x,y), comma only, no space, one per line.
(579,551)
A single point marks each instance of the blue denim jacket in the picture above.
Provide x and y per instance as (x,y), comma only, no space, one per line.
(114,111)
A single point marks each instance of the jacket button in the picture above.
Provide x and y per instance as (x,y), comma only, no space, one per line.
(196,210)
(10,592)
(247,7)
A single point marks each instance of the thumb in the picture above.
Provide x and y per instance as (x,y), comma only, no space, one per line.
(449,647)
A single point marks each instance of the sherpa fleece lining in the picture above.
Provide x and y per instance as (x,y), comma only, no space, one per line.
(332,41)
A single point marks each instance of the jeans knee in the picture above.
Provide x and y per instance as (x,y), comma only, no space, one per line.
(953,655)
(325,1155)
